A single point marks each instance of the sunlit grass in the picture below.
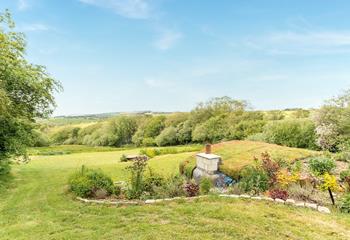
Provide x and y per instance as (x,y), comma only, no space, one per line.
(36,206)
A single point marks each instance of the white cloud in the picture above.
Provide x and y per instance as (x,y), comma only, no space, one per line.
(34,27)
(22,5)
(136,9)
(303,43)
(157,83)
(167,39)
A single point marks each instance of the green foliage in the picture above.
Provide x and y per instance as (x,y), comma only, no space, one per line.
(153,152)
(254,180)
(123,158)
(291,133)
(86,182)
(321,165)
(171,187)
(345,204)
(167,137)
(137,170)
(205,185)
(213,130)
(26,93)
(333,123)
(345,174)
(152,182)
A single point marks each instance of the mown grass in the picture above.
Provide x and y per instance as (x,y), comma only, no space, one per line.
(36,206)
(236,155)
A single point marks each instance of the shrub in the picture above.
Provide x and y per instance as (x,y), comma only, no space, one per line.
(152,181)
(205,185)
(258,137)
(4,167)
(254,180)
(137,170)
(285,178)
(167,137)
(123,158)
(321,165)
(345,204)
(188,167)
(271,168)
(342,156)
(191,189)
(329,182)
(278,193)
(344,175)
(307,193)
(172,187)
(87,182)
(291,133)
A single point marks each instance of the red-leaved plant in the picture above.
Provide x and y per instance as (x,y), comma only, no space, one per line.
(278,193)
(191,189)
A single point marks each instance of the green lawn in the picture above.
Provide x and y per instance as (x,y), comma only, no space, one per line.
(36,206)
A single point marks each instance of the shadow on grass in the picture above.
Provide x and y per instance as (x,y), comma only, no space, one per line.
(6,181)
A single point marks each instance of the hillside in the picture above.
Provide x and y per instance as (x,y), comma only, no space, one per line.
(238,154)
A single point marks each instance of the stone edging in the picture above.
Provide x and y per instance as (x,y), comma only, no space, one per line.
(291,202)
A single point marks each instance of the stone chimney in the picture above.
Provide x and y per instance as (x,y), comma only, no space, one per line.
(208,148)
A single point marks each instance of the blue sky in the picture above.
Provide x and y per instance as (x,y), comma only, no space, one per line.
(168,55)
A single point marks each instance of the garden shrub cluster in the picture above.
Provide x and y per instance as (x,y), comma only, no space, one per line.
(91,183)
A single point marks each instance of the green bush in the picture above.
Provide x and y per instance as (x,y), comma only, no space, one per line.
(321,165)
(291,133)
(123,158)
(167,137)
(345,204)
(172,187)
(342,156)
(254,180)
(205,185)
(345,174)
(86,182)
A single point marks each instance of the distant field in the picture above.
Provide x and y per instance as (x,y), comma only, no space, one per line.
(37,207)
(69,149)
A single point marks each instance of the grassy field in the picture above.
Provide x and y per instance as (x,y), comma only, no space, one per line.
(238,154)
(36,206)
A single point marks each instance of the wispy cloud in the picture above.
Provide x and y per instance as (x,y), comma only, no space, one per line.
(153,82)
(22,5)
(34,27)
(303,43)
(136,9)
(167,39)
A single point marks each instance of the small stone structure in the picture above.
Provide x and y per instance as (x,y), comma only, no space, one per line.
(207,165)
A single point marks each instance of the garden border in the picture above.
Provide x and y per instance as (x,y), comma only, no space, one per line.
(290,202)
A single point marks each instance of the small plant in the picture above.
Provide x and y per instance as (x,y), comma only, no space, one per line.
(285,178)
(153,181)
(137,170)
(278,193)
(344,175)
(205,185)
(271,168)
(172,187)
(345,204)
(191,189)
(254,180)
(330,184)
(321,165)
(123,158)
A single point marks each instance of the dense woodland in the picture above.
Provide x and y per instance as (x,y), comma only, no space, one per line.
(219,119)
